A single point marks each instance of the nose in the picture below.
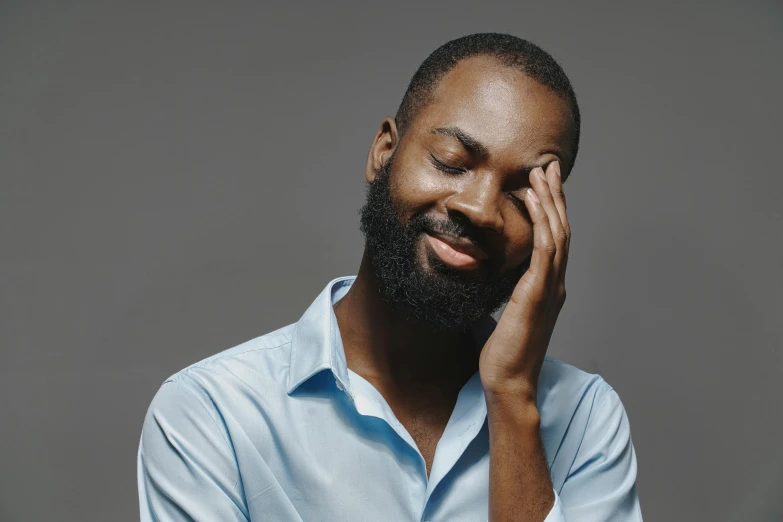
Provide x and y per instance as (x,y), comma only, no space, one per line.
(479,200)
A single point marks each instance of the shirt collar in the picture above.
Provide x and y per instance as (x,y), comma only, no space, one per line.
(316,344)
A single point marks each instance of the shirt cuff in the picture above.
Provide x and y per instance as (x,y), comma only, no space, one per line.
(556,514)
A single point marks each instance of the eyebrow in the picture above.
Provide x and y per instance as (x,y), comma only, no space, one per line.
(477,148)
(468,141)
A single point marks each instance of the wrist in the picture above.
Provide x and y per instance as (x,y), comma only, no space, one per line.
(519,409)
(518,392)
(513,418)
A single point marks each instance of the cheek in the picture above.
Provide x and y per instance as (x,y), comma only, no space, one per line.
(519,245)
(417,188)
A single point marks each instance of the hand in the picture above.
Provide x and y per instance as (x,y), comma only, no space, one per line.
(512,357)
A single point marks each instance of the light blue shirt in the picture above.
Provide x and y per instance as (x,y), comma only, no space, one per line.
(280,429)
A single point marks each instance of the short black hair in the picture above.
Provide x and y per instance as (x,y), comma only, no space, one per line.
(509,50)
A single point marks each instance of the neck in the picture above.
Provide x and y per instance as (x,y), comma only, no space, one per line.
(384,347)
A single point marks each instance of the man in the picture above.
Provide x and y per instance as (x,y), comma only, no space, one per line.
(396,396)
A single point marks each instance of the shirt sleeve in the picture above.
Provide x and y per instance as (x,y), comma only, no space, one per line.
(601,484)
(187,470)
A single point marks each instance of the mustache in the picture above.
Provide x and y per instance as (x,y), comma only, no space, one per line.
(453,225)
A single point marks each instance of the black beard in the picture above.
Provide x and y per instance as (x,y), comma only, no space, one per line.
(443,299)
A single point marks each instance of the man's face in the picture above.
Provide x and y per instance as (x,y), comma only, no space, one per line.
(445,221)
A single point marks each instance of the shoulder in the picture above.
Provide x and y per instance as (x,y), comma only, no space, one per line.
(192,441)
(257,359)
(568,396)
(213,386)
(566,386)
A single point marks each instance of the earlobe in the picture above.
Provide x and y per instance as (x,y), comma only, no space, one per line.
(382,148)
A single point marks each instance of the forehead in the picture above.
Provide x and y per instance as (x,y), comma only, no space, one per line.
(501,107)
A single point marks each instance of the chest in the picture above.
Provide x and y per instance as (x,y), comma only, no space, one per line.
(424,411)
(426,427)
(354,471)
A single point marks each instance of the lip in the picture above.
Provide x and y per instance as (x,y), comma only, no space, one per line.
(454,252)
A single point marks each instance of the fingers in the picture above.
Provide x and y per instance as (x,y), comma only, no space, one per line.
(551,231)
(558,196)
(544,247)
(556,185)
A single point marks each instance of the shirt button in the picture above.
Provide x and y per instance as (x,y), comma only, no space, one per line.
(339,386)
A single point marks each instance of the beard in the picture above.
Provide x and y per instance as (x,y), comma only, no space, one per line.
(441,299)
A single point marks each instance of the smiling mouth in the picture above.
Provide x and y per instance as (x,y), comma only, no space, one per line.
(462,256)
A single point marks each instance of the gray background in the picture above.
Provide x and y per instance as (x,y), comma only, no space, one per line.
(179,178)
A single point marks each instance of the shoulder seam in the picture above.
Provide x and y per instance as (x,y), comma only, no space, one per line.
(198,400)
(603,399)
(590,419)
(221,355)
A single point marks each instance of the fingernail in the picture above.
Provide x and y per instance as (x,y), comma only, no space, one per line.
(532,195)
(556,166)
(540,173)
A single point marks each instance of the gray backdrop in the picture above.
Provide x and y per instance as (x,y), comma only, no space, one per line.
(177,179)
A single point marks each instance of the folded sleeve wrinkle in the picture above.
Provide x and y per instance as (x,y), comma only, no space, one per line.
(187,470)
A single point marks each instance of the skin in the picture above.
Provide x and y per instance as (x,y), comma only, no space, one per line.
(511,189)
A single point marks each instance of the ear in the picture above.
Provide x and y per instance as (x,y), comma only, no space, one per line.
(382,148)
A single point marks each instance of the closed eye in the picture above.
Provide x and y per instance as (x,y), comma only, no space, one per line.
(445,168)
(519,204)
